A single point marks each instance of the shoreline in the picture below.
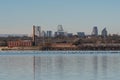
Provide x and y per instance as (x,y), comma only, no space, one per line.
(80,48)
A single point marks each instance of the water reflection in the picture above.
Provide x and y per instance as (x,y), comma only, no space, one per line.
(60,67)
(76,67)
(95,66)
(104,66)
(16,68)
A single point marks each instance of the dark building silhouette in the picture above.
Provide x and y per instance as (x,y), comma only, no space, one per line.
(49,33)
(95,31)
(60,31)
(104,33)
(81,34)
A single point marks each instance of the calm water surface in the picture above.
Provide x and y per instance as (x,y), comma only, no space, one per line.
(57,65)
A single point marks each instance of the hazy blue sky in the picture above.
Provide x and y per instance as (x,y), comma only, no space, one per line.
(18,16)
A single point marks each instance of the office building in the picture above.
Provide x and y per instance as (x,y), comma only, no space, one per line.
(104,32)
(43,34)
(81,34)
(38,31)
(95,31)
(60,28)
(49,33)
(60,31)
(69,34)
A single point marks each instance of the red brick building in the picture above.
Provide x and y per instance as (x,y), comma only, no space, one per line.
(22,43)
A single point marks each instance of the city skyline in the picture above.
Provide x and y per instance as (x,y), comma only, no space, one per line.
(18,16)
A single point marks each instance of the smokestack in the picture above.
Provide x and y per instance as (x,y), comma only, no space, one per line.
(33,35)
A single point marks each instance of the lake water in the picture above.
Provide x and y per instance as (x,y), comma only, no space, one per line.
(60,65)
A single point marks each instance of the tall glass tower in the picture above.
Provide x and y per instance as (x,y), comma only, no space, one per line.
(104,32)
(95,31)
(60,31)
(60,28)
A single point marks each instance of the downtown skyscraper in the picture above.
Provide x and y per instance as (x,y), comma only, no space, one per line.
(95,31)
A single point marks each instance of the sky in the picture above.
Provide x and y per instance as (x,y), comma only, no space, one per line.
(18,16)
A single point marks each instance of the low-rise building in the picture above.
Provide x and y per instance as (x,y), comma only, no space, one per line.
(81,34)
(69,34)
(21,43)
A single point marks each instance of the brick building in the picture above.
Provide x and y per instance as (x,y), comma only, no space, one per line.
(21,43)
